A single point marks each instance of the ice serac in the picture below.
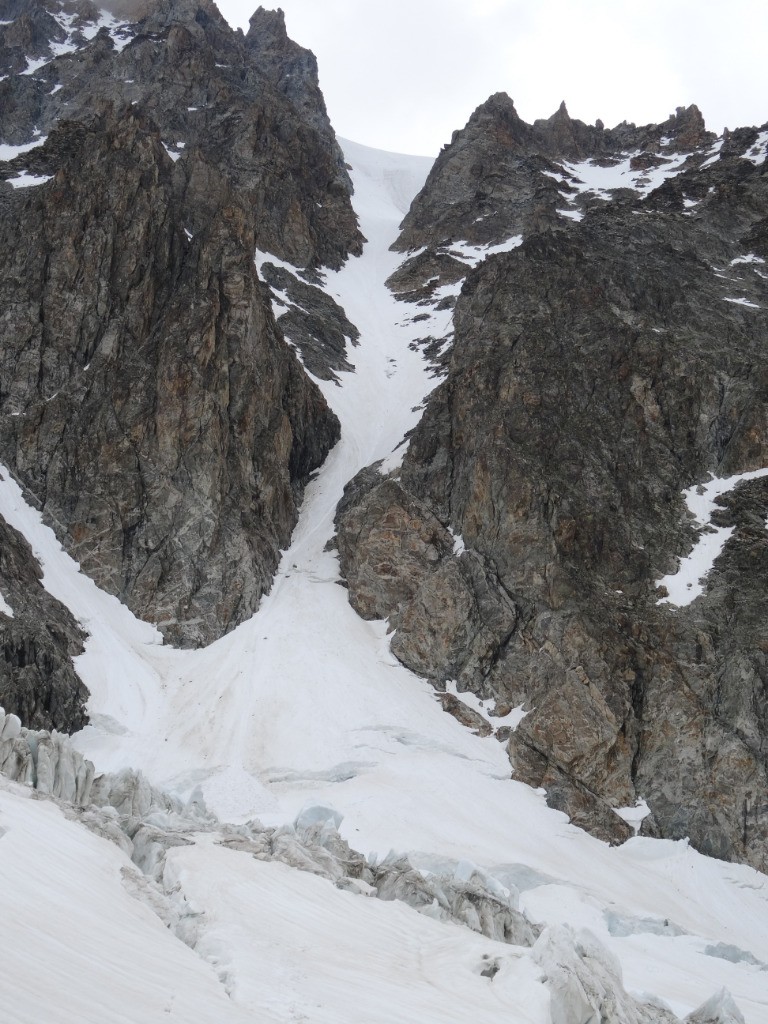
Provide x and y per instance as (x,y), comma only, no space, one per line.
(586,984)
(150,405)
(598,369)
(45,761)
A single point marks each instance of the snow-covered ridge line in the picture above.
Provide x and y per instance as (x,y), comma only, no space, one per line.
(685,585)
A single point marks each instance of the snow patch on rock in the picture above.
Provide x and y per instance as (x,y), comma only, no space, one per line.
(687,584)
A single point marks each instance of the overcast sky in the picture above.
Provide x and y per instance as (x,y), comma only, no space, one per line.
(403,74)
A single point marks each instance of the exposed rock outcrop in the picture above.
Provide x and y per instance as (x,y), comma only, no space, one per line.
(312,321)
(597,370)
(38,639)
(250,107)
(149,404)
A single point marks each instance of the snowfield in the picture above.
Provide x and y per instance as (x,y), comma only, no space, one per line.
(305,705)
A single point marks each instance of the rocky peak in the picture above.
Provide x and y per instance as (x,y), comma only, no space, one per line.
(200,18)
(221,97)
(686,128)
(561,119)
(563,138)
(267,30)
(500,179)
(480,182)
(500,113)
(149,402)
(291,69)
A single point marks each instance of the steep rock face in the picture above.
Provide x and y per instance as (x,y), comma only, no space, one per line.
(597,371)
(484,186)
(250,106)
(38,639)
(501,179)
(148,402)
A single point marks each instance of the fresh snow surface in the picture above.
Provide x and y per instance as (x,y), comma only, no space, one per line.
(26,180)
(474,254)
(714,153)
(685,585)
(9,152)
(459,547)
(35,65)
(749,258)
(757,153)
(512,719)
(77,947)
(305,705)
(120,33)
(5,608)
(634,816)
(329,957)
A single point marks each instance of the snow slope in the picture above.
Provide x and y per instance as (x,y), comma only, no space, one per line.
(304,704)
(75,945)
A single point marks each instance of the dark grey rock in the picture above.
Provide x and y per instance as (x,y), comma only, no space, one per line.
(596,371)
(163,425)
(38,682)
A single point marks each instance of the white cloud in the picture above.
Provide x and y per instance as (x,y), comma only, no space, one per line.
(404,74)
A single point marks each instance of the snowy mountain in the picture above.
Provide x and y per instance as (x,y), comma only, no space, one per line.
(306,445)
